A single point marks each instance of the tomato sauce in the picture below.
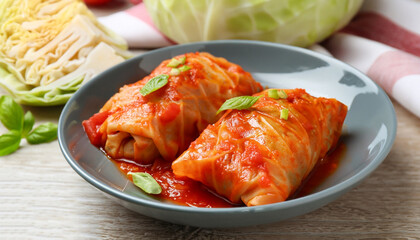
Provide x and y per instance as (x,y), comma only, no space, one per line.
(183,191)
(187,192)
(325,168)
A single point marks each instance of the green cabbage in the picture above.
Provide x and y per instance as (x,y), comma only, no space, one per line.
(49,48)
(295,22)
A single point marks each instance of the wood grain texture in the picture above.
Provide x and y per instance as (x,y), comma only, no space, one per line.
(42,197)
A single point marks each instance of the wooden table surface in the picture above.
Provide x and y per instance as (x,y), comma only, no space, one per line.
(42,197)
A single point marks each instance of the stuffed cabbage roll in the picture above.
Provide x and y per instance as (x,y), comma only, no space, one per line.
(261,155)
(141,127)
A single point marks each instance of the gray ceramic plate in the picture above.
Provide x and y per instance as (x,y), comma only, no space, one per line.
(371,127)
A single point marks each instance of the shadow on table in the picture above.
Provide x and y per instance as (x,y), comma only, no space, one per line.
(51,114)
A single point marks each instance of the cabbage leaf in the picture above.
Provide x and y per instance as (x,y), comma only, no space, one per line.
(295,22)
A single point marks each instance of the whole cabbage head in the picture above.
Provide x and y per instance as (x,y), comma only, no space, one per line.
(294,22)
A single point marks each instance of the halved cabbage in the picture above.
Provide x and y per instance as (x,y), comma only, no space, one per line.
(296,22)
(49,48)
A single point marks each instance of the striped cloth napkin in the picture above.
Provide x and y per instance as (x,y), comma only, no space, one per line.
(382,41)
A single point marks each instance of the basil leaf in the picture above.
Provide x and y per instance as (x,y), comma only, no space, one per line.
(9,142)
(146,182)
(43,133)
(154,84)
(11,113)
(242,102)
(28,123)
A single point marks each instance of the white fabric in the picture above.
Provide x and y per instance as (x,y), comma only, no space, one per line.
(137,33)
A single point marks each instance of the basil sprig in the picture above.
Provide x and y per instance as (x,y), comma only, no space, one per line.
(154,84)
(20,126)
(43,133)
(242,102)
(146,182)
(9,142)
(28,123)
(11,114)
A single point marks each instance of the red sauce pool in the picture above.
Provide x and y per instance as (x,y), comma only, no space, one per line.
(187,192)
(325,168)
(183,191)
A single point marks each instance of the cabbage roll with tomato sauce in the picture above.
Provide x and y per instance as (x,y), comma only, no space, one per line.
(261,155)
(164,122)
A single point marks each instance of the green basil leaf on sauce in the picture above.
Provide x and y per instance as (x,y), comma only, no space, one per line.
(146,182)
(11,113)
(242,102)
(28,123)
(9,142)
(154,84)
(43,133)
